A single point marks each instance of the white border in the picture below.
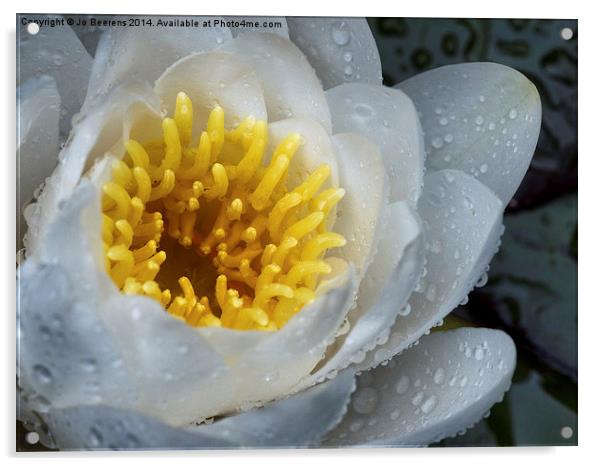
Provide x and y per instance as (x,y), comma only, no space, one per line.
(590,324)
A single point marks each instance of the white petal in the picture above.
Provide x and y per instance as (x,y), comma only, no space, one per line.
(173,369)
(340,49)
(56,51)
(102,427)
(267,366)
(298,421)
(432,391)
(385,289)
(37,139)
(387,117)
(100,130)
(362,175)
(83,342)
(290,86)
(209,79)
(66,356)
(462,226)
(272,24)
(481,118)
(143,53)
(315,150)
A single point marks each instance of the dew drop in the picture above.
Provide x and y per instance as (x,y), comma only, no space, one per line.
(429,404)
(365,400)
(340,33)
(437,143)
(356,426)
(402,385)
(417,398)
(439,376)
(449,138)
(364,110)
(479,120)
(347,56)
(512,113)
(42,374)
(95,438)
(483,168)
(88,365)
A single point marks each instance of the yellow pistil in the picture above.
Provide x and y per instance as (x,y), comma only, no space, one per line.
(212,196)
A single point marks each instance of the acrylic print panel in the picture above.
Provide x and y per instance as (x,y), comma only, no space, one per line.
(270,232)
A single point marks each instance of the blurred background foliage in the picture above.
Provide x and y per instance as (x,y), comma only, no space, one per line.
(532,288)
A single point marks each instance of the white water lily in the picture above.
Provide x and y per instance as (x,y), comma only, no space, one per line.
(427,167)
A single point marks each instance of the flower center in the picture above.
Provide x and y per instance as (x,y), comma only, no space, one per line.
(246,252)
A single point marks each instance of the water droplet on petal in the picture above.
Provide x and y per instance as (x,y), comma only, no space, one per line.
(365,400)
(437,143)
(429,404)
(340,33)
(402,385)
(42,374)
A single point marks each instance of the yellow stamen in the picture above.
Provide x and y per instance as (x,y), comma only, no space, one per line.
(265,241)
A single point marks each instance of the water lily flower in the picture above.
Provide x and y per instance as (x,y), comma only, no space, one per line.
(241,222)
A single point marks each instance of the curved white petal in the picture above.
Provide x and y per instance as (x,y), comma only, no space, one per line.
(340,49)
(209,79)
(387,117)
(362,175)
(272,24)
(267,366)
(481,118)
(432,391)
(84,342)
(462,226)
(298,421)
(290,86)
(97,131)
(383,292)
(315,150)
(66,356)
(37,139)
(57,52)
(144,53)
(104,427)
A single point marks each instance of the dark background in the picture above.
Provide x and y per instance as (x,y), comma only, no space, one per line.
(532,288)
